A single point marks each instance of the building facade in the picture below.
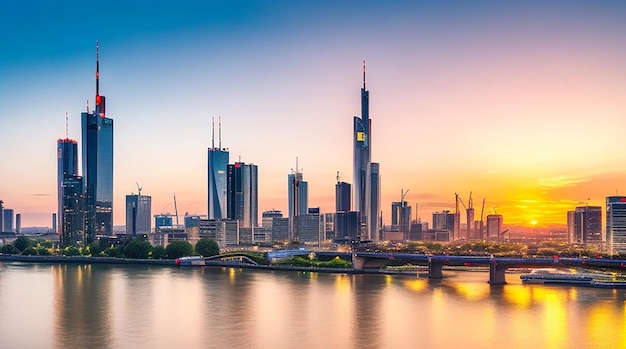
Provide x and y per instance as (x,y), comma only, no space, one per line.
(585,225)
(73,214)
(97,163)
(494,226)
(342,197)
(616,223)
(138,214)
(242,194)
(218,159)
(67,166)
(366,174)
(8,216)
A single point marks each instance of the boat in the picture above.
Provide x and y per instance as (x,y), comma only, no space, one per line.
(608,284)
(190,260)
(555,276)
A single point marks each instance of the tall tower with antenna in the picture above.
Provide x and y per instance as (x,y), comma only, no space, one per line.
(67,171)
(97,161)
(218,159)
(366,174)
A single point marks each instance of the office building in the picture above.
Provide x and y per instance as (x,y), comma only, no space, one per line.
(163,220)
(366,174)
(310,226)
(18,223)
(401,215)
(138,214)
(54,222)
(1,216)
(347,226)
(97,162)
(494,226)
(277,225)
(342,197)
(8,215)
(584,225)
(616,223)
(242,194)
(72,216)
(298,200)
(67,166)
(218,159)
(444,221)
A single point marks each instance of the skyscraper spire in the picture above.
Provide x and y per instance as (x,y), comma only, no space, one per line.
(97,71)
(364,74)
(212,132)
(66,131)
(219,125)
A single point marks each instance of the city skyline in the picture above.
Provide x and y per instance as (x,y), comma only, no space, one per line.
(521,104)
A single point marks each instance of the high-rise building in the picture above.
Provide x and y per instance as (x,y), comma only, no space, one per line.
(494,226)
(401,214)
(366,175)
(242,199)
(8,220)
(585,224)
(67,166)
(54,222)
(138,214)
(342,197)
(616,223)
(310,226)
(217,166)
(1,216)
(73,214)
(97,161)
(18,223)
(298,200)
(444,221)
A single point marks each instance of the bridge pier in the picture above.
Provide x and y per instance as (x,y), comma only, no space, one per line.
(435,269)
(357,262)
(496,273)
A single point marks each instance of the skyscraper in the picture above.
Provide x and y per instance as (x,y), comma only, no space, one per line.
(217,165)
(242,199)
(73,214)
(585,225)
(97,156)
(297,194)
(67,166)
(8,220)
(616,223)
(366,193)
(342,197)
(138,214)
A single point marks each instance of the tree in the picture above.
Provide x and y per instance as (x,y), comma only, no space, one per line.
(29,251)
(70,251)
(95,248)
(112,251)
(207,247)
(178,248)
(9,249)
(158,252)
(137,248)
(21,243)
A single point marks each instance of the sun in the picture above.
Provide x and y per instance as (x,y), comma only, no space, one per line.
(533,222)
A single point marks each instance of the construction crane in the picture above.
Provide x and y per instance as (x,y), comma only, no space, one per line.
(175,209)
(138,189)
(482,214)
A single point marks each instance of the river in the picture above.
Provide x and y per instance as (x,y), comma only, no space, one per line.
(137,306)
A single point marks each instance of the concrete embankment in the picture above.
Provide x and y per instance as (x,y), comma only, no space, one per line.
(85,260)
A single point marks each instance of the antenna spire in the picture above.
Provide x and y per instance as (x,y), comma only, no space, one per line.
(66,131)
(97,69)
(364,74)
(219,124)
(212,132)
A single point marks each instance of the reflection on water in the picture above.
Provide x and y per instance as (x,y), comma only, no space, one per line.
(99,306)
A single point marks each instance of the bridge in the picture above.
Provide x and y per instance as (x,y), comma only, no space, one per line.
(497,265)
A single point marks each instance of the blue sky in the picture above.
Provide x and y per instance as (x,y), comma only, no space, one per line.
(516,101)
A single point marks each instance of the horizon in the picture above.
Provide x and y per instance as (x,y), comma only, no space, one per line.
(521,104)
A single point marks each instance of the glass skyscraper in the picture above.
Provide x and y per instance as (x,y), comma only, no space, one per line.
(616,223)
(217,166)
(67,167)
(242,194)
(97,156)
(138,214)
(73,214)
(366,175)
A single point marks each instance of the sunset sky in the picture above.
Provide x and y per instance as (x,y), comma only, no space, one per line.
(522,103)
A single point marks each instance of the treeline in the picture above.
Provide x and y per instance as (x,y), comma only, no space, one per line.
(485,248)
(138,248)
